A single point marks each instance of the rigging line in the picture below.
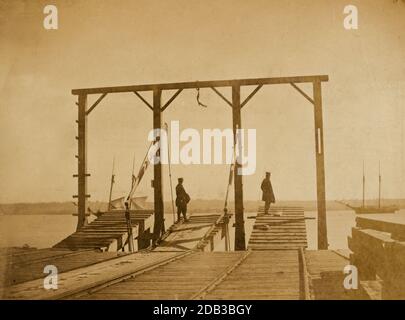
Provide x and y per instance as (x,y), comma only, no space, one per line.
(111,185)
(198,99)
(170,172)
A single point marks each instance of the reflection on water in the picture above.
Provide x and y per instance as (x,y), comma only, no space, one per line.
(43,231)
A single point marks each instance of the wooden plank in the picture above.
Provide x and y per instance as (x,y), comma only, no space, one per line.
(285,231)
(201,84)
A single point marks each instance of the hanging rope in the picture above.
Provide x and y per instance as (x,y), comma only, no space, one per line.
(198,99)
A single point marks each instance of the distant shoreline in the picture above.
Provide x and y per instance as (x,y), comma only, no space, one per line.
(197,205)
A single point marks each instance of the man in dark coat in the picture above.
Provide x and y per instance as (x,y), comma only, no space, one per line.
(268,195)
(182,198)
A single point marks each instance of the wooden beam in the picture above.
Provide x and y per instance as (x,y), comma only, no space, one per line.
(158,228)
(202,84)
(171,99)
(302,92)
(222,96)
(240,243)
(251,95)
(320,167)
(82,162)
(96,103)
(143,100)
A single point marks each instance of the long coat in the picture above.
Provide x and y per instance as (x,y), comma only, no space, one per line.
(182,197)
(267,189)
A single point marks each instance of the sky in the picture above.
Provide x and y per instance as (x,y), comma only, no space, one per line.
(112,43)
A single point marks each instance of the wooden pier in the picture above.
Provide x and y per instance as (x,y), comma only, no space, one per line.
(183,266)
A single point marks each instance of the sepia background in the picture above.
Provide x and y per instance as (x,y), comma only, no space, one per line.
(107,43)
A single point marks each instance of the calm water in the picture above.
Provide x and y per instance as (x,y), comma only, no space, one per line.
(43,231)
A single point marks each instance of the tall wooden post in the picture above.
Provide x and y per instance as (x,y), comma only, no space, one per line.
(82,161)
(239,219)
(320,167)
(159,227)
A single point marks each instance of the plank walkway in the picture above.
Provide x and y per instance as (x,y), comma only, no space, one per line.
(108,232)
(87,278)
(282,229)
(19,266)
(262,275)
(214,275)
(180,279)
(188,235)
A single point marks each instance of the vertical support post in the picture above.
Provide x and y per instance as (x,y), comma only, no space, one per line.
(320,167)
(82,161)
(239,219)
(158,228)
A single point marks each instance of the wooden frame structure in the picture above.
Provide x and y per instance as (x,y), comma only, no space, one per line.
(236,104)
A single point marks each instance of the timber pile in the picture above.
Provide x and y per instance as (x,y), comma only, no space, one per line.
(379,254)
(108,232)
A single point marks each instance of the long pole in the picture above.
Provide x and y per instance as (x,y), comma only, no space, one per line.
(320,167)
(111,185)
(82,161)
(170,171)
(132,180)
(158,227)
(240,243)
(129,227)
(379,184)
(364,187)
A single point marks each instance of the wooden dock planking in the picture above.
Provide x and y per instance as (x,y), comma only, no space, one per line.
(269,275)
(108,232)
(187,235)
(77,280)
(214,275)
(326,274)
(282,229)
(30,266)
(180,279)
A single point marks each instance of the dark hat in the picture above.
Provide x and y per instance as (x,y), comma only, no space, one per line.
(268,172)
(180,179)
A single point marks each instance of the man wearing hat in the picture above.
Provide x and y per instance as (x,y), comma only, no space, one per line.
(182,198)
(268,195)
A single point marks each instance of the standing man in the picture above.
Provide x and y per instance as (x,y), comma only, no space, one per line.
(182,198)
(268,195)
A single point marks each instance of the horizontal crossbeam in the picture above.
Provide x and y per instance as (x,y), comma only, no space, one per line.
(202,84)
